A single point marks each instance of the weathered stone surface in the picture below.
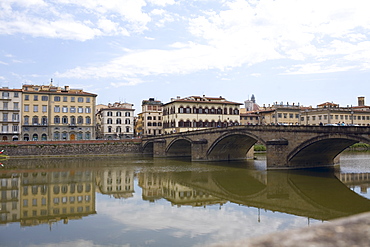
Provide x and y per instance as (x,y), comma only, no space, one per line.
(346,232)
(69,148)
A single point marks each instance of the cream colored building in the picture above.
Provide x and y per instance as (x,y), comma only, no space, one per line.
(116,181)
(10,108)
(115,121)
(199,112)
(151,117)
(55,113)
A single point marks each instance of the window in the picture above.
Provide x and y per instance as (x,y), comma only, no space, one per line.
(26,97)
(56,108)
(15,128)
(35,97)
(80,120)
(57,98)
(5,117)
(88,120)
(88,110)
(16,95)
(87,100)
(4,128)
(35,120)
(109,114)
(56,136)
(65,98)
(65,109)
(80,99)
(72,99)
(64,120)
(44,120)
(109,121)
(44,108)
(80,109)
(16,106)
(73,109)
(26,108)
(26,120)
(118,121)
(127,121)
(118,114)
(127,114)
(127,129)
(44,98)
(109,129)
(35,108)
(5,105)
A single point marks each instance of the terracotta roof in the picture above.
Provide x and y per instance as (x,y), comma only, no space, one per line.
(198,99)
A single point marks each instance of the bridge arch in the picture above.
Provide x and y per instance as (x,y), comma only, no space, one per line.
(232,146)
(322,150)
(179,147)
(147,148)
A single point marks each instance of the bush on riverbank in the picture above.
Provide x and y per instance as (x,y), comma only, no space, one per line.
(359,147)
(259,148)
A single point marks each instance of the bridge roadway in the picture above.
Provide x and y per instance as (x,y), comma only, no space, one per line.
(288,147)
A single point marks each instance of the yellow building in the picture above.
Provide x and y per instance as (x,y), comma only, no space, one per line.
(195,112)
(55,113)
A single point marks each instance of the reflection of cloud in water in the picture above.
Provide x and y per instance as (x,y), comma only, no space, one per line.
(231,222)
(76,243)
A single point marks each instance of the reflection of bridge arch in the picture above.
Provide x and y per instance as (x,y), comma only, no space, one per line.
(322,149)
(232,145)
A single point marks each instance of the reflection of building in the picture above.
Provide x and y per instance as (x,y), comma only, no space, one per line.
(10,106)
(155,187)
(46,197)
(9,197)
(356,179)
(115,121)
(151,117)
(194,112)
(54,113)
(151,184)
(116,181)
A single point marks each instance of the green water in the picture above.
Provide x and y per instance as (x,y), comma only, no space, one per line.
(137,201)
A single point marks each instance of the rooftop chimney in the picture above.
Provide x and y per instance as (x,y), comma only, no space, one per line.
(361,101)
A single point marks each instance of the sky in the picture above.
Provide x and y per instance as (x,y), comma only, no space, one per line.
(292,51)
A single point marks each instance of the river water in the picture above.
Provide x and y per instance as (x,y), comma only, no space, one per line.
(136,201)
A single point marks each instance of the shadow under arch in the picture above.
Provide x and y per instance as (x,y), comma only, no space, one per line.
(322,150)
(148,148)
(180,147)
(232,146)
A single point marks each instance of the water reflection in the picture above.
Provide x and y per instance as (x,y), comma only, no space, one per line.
(37,192)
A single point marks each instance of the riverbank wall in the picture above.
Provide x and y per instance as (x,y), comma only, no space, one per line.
(71,148)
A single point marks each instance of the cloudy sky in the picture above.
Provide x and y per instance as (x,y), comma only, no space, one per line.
(306,51)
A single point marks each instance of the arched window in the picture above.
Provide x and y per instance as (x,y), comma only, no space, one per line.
(200,110)
(127,129)
(181,109)
(73,120)
(44,137)
(200,123)
(118,129)
(181,123)
(149,118)
(187,123)
(109,129)
(230,111)
(225,111)
(65,120)
(88,120)
(149,124)
(56,119)
(26,137)
(35,137)
(118,114)
(80,120)
(109,114)
(127,114)
(188,109)
(127,121)
(194,124)
(118,121)
(213,110)
(109,121)
(56,135)
(206,111)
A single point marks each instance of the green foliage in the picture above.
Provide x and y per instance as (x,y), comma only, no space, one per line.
(259,147)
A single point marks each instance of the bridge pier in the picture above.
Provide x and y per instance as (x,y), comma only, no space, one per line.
(199,150)
(276,154)
(159,148)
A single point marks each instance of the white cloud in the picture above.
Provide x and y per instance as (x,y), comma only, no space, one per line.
(162,2)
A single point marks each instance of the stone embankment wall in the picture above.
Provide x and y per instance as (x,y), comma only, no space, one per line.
(71,148)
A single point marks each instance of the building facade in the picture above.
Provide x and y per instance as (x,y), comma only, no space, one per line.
(196,112)
(55,113)
(115,121)
(151,117)
(10,107)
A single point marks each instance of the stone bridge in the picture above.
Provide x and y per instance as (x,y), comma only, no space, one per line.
(288,147)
